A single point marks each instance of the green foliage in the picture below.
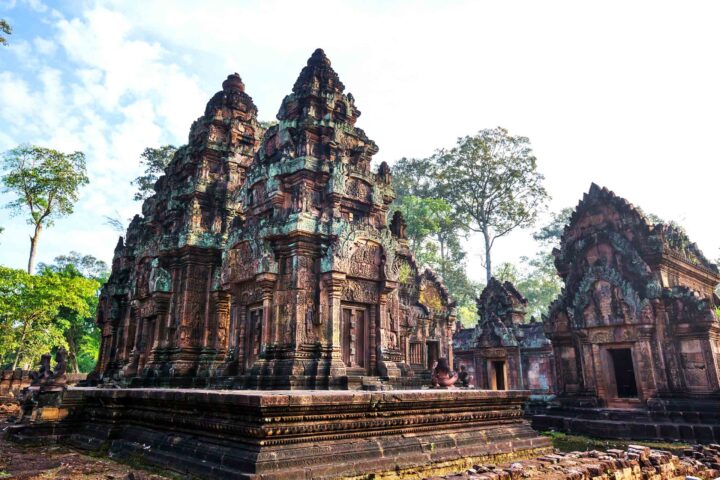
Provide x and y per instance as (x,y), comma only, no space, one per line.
(75,264)
(265,124)
(45,183)
(155,161)
(415,176)
(425,217)
(577,443)
(492,182)
(540,283)
(31,312)
(80,332)
(507,272)
(434,230)
(6,29)
(536,278)
(550,234)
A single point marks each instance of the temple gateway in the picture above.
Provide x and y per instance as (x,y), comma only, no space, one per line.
(269,258)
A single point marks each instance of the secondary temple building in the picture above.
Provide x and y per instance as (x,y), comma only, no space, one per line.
(504,351)
(636,319)
(630,348)
(269,258)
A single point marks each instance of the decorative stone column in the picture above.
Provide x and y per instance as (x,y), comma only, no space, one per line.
(335,282)
(643,354)
(266,281)
(386,365)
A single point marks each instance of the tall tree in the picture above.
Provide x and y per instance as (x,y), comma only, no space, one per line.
(492,180)
(155,161)
(5,29)
(29,309)
(537,277)
(46,184)
(78,326)
(549,234)
(434,230)
(76,264)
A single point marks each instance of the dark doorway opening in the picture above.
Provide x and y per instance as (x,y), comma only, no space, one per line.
(624,372)
(499,368)
(433,353)
(253,336)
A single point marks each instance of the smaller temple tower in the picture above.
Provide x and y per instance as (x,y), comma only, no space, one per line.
(636,323)
(162,313)
(503,352)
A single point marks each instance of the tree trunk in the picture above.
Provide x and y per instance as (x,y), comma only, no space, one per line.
(72,354)
(488,262)
(442,259)
(74,367)
(18,353)
(17,359)
(33,249)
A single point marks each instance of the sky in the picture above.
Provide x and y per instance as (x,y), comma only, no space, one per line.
(623,94)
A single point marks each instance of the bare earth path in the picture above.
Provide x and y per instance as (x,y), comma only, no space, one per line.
(56,463)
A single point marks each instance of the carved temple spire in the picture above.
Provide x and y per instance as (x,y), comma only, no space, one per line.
(318,76)
(317,96)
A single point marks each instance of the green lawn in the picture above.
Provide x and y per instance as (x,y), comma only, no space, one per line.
(571,443)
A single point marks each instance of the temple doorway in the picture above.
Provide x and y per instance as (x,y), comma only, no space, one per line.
(497,375)
(624,372)
(354,345)
(253,336)
(433,353)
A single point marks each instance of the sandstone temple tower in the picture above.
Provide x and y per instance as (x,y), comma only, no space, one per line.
(504,351)
(635,325)
(270,259)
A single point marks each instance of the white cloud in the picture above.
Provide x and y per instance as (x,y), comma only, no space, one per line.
(36,5)
(44,46)
(624,94)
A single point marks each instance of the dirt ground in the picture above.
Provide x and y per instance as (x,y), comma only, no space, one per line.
(56,463)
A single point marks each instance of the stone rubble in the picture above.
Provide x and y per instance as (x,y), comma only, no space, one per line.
(701,462)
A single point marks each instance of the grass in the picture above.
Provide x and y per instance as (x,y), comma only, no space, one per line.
(573,443)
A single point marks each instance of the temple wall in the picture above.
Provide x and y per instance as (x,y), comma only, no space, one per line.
(13,381)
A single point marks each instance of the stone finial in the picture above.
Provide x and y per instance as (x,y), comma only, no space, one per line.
(319,58)
(233,82)
(398,226)
(318,76)
(384,172)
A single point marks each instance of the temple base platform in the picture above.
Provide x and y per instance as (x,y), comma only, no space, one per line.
(293,434)
(690,420)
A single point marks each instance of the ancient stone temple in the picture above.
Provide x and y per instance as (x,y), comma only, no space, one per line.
(505,351)
(635,328)
(271,259)
(266,270)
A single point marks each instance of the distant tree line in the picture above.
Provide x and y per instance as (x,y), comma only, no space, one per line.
(488,184)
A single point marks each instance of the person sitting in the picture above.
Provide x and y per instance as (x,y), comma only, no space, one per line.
(442,376)
(464,377)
